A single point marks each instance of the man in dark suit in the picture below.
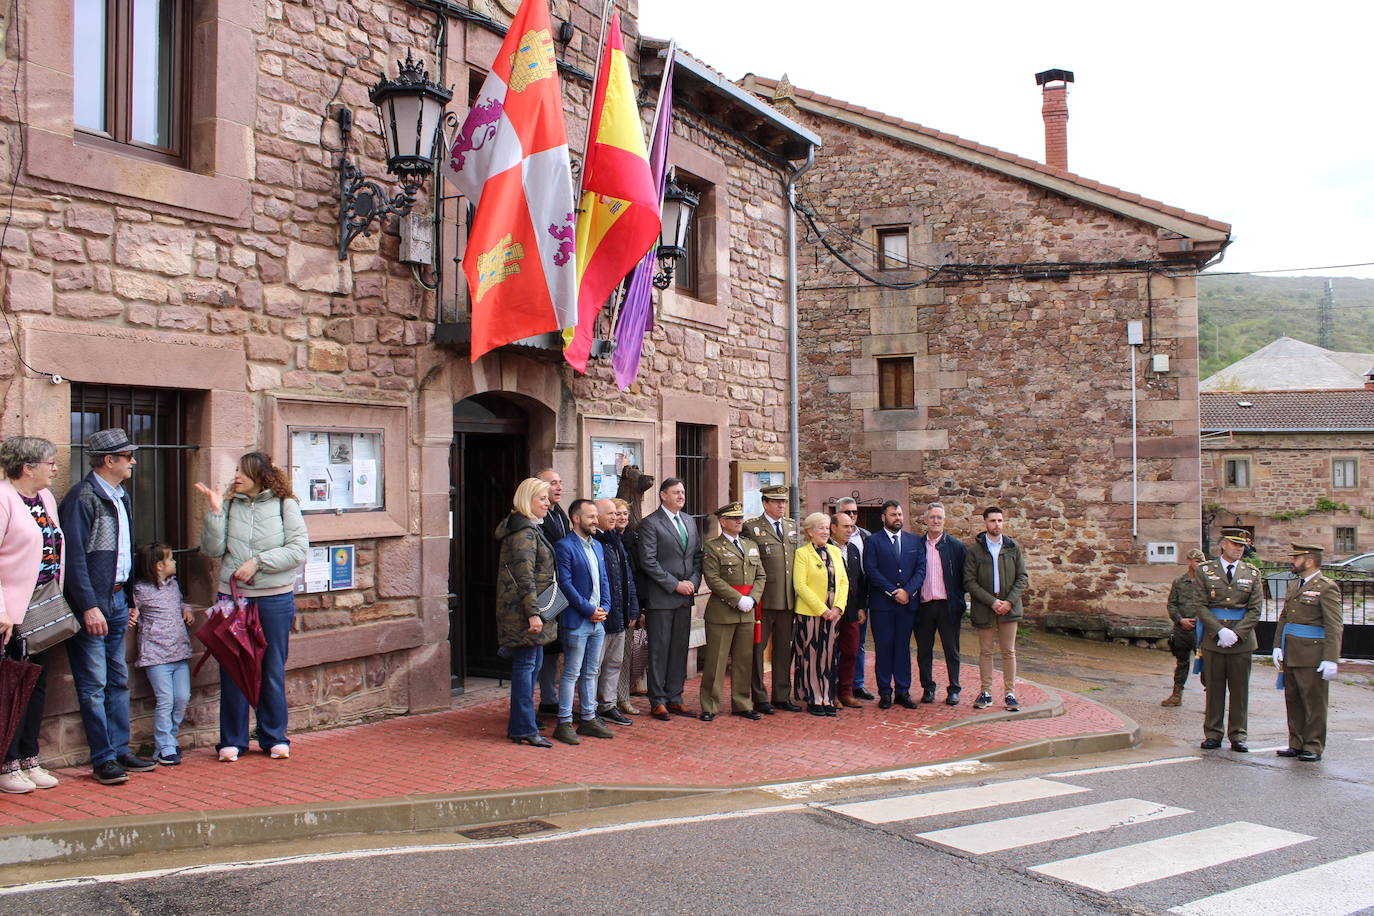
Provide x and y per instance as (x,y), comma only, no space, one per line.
(942,605)
(555,528)
(855,608)
(583,580)
(895,564)
(670,561)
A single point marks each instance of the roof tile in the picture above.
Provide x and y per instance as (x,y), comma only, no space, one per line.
(1347,409)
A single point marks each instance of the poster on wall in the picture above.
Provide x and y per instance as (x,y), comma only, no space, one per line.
(609,458)
(333,471)
(322,568)
(340,566)
(753,482)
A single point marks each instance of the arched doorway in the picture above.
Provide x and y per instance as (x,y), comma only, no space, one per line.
(489,457)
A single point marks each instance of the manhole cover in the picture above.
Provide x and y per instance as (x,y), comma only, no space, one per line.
(497,831)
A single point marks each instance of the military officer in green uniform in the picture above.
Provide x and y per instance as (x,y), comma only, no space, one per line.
(1307,644)
(777,538)
(1182,597)
(732,569)
(1226,608)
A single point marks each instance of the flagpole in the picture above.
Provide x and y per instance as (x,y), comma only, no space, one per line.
(658,113)
(591,102)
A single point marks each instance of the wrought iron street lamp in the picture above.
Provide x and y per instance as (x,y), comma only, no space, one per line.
(679,205)
(410,110)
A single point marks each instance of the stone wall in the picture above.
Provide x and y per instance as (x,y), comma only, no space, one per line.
(1022,387)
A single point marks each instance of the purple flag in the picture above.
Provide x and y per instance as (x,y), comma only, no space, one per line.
(637,311)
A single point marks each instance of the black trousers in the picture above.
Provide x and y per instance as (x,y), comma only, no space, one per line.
(934,617)
(25,743)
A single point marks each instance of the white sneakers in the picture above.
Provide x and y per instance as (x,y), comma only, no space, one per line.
(228,754)
(280,751)
(35,774)
(14,782)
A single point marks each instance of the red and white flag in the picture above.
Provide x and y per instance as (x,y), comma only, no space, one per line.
(511,159)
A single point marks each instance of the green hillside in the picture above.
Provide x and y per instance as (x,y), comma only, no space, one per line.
(1240,314)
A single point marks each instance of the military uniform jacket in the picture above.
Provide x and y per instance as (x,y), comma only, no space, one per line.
(1245,592)
(1183,597)
(777,560)
(1316,603)
(723,568)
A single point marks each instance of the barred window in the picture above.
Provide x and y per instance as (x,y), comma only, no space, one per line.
(1346,540)
(693,441)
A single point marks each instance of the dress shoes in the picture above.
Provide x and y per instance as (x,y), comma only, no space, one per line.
(787,706)
(952,699)
(885,702)
(661,713)
(132,763)
(1309,757)
(851,703)
(1210,744)
(905,701)
(928,695)
(829,710)
(764,708)
(1288,752)
(815,709)
(863,694)
(678,709)
(1240,747)
(109,773)
(533,740)
(748,714)
(707,717)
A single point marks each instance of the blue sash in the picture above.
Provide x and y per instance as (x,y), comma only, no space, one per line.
(1228,614)
(1301,630)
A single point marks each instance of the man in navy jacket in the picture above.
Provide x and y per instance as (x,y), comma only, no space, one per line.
(941,608)
(621,611)
(582,577)
(895,564)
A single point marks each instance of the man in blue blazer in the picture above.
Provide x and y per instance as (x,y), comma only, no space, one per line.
(582,577)
(895,564)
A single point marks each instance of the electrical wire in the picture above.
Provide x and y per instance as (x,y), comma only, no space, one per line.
(1285,270)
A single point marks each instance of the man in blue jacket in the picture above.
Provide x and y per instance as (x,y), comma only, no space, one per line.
(582,577)
(97,522)
(895,564)
(622,610)
(942,605)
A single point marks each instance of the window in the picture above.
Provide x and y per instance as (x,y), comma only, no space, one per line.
(1345,473)
(692,442)
(892,248)
(1238,473)
(127,85)
(896,383)
(1346,540)
(155,420)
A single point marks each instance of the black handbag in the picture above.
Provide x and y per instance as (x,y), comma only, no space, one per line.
(48,620)
(551,601)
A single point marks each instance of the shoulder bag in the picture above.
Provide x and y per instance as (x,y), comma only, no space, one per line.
(48,620)
(551,601)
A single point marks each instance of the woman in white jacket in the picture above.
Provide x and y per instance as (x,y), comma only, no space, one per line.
(257,530)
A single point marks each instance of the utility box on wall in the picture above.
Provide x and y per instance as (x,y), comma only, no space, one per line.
(1161,552)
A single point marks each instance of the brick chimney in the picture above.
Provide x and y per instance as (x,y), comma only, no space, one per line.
(1054,87)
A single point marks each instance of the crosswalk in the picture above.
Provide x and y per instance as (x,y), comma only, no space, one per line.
(1335,888)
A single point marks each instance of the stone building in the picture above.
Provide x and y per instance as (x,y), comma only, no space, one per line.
(1291,466)
(170,266)
(982,355)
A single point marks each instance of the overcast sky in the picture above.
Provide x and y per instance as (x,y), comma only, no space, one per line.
(1254,113)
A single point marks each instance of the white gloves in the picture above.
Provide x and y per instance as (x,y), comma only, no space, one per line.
(1278,656)
(1327,670)
(746,603)
(1226,637)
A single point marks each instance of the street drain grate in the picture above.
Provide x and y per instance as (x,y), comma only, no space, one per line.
(497,831)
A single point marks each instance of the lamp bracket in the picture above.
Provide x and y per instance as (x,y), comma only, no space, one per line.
(361,199)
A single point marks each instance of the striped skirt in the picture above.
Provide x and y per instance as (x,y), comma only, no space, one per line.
(815,663)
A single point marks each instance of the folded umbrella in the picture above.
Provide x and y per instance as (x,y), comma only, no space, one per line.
(17,680)
(232,633)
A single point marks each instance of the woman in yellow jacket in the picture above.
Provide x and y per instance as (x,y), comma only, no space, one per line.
(822,586)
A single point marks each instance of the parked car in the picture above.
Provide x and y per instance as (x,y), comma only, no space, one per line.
(1361,562)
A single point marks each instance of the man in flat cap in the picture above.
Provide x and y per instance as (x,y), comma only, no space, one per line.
(1307,644)
(97,522)
(733,570)
(777,538)
(1226,607)
(1182,597)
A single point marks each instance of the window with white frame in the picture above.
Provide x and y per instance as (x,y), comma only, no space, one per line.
(1238,473)
(1345,473)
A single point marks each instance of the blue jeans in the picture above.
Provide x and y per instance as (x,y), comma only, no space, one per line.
(101,675)
(524,672)
(276,613)
(861,656)
(172,687)
(581,665)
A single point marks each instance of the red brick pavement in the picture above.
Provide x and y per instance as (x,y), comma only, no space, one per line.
(466,750)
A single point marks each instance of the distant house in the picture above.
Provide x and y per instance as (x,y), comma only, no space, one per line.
(1290,466)
(1288,364)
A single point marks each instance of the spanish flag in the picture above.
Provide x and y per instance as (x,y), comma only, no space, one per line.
(619,218)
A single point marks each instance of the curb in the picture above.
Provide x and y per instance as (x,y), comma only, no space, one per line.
(69,841)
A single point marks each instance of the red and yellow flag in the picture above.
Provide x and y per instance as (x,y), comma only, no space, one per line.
(619,218)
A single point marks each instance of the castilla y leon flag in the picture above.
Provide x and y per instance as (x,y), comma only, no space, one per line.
(511,159)
(619,218)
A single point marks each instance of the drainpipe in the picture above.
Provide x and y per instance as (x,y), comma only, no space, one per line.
(794,439)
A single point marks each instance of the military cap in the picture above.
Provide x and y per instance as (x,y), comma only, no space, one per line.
(1304,549)
(777,491)
(1238,535)
(1196,554)
(731,510)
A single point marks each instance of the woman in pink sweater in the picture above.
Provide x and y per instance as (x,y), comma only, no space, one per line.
(31,555)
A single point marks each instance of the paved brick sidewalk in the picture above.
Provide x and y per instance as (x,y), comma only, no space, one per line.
(466,750)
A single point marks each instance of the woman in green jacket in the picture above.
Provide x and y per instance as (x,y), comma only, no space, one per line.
(257,531)
(527,570)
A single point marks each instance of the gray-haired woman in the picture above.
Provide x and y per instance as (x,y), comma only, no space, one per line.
(31,555)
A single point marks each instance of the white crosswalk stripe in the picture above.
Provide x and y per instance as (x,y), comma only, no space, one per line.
(1014,832)
(1114,869)
(951,801)
(1334,889)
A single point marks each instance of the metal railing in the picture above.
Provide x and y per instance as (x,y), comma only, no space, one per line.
(1357,606)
